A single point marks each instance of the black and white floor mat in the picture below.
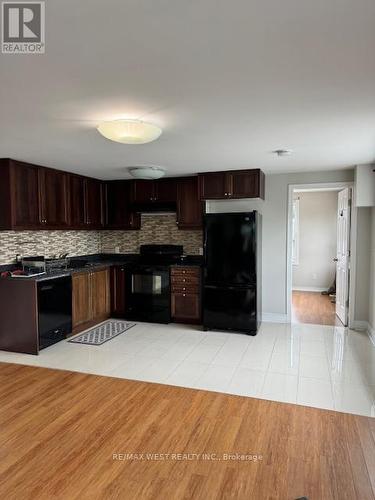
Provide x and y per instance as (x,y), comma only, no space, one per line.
(103,332)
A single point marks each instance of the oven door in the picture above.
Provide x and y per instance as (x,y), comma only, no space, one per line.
(148,293)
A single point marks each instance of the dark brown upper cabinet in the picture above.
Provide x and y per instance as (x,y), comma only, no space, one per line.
(94,199)
(162,190)
(77,202)
(143,191)
(53,198)
(119,196)
(189,207)
(232,184)
(19,195)
(32,197)
(86,203)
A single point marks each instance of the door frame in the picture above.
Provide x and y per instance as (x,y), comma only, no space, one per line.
(326,186)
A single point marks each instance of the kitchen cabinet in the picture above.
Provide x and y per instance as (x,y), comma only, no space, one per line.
(186,294)
(90,298)
(32,197)
(161,190)
(19,193)
(118,200)
(86,203)
(118,299)
(54,200)
(233,184)
(189,207)
(94,203)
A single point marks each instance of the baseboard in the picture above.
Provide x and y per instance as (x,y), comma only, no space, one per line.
(274,318)
(364,326)
(371,333)
(309,289)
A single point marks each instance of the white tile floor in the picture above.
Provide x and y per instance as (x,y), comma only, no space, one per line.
(320,366)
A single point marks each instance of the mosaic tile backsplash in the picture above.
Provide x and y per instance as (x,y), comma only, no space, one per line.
(155,229)
(159,229)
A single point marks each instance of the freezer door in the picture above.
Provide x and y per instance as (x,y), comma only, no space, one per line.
(230,249)
(232,308)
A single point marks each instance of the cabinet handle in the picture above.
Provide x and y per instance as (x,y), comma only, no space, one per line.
(183,272)
(184,294)
(184,288)
(177,222)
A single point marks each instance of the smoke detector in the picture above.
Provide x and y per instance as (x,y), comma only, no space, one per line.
(283,152)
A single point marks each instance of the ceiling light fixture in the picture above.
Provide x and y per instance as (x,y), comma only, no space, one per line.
(147,172)
(130,131)
(283,152)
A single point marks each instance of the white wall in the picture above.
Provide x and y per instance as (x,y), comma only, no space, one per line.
(317,240)
(275,213)
(372,276)
(363,264)
(365,184)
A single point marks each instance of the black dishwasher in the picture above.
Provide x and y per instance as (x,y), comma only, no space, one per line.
(54,310)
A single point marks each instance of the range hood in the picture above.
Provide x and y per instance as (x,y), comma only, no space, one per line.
(154,207)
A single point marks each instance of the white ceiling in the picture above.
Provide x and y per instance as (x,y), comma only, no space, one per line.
(227,80)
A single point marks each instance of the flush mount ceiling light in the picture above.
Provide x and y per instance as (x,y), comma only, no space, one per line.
(130,131)
(283,152)
(147,173)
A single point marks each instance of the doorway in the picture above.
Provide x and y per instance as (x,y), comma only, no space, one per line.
(319,254)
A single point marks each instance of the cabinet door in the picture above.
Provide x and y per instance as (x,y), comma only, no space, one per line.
(94,203)
(25,195)
(185,306)
(246,184)
(144,191)
(118,291)
(166,190)
(100,294)
(189,207)
(118,212)
(54,198)
(213,186)
(81,293)
(77,202)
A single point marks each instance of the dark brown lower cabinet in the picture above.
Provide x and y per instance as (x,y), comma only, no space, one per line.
(118,300)
(186,294)
(91,298)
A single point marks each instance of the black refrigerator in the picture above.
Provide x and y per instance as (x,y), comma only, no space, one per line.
(232,272)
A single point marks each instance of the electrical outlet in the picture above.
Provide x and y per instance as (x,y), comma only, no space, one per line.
(117,249)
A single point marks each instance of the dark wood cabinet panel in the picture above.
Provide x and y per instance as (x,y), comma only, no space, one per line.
(100,294)
(233,184)
(53,190)
(143,191)
(213,186)
(77,202)
(118,298)
(24,186)
(81,297)
(118,201)
(165,190)
(94,203)
(246,184)
(189,207)
(161,190)
(185,307)
(186,296)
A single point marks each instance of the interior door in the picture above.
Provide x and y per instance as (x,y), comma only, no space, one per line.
(343,255)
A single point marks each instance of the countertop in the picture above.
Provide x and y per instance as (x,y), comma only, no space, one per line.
(104,261)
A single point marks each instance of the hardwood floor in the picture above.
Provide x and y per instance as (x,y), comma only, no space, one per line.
(59,432)
(313,307)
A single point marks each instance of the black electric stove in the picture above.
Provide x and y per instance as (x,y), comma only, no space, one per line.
(148,283)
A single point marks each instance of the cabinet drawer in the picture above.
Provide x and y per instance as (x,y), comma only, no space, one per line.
(181,280)
(185,307)
(185,288)
(185,271)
